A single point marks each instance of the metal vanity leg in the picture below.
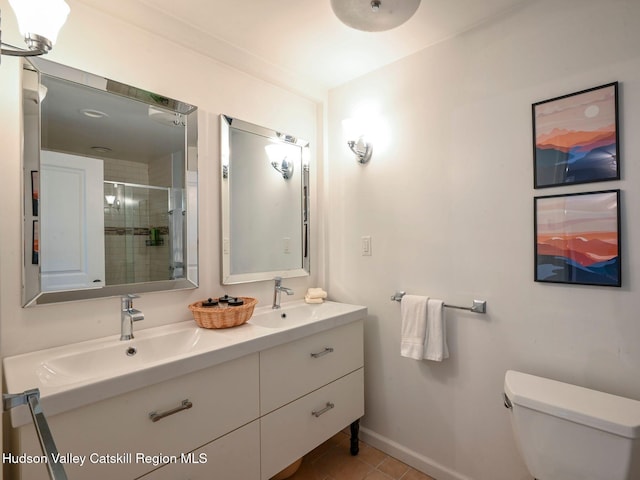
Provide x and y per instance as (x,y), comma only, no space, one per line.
(355,430)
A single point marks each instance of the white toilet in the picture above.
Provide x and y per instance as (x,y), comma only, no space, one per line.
(566,432)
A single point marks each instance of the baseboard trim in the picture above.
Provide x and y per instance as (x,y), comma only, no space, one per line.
(408,456)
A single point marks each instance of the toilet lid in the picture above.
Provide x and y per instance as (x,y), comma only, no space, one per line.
(600,410)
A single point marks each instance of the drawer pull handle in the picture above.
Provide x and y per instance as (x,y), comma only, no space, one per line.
(324,410)
(322,353)
(185,405)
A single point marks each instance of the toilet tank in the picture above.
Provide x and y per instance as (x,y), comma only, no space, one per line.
(566,432)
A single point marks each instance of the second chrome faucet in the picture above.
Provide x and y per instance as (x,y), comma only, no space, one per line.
(128,315)
(277,288)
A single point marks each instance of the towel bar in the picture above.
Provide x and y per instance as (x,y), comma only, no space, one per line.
(31,398)
(478,306)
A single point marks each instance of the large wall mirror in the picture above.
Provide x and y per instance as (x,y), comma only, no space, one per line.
(110,187)
(265,203)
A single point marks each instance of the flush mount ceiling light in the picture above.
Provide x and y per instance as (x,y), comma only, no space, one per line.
(374,15)
(39,22)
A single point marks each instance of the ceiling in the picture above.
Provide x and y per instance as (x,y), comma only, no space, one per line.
(299,44)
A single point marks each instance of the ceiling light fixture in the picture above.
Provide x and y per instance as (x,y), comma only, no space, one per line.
(39,22)
(374,15)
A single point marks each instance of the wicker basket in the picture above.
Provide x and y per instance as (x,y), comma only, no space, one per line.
(223,316)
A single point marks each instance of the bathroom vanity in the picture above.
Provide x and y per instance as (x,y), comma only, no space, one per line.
(240,403)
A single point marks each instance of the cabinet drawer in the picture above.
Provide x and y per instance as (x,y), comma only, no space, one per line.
(293,430)
(223,398)
(236,456)
(292,370)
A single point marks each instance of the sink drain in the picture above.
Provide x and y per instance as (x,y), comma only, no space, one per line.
(131,351)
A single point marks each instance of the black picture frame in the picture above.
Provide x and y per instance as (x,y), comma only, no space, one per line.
(576,138)
(577,238)
(35,192)
(35,243)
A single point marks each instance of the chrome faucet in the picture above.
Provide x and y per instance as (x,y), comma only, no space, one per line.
(128,315)
(277,288)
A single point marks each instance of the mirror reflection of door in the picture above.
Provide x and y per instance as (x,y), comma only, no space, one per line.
(72,229)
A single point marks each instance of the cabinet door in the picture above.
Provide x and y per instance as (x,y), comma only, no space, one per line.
(236,456)
(223,398)
(299,427)
(294,369)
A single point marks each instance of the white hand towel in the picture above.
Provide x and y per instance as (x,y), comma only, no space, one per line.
(309,299)
(435,341)
(413,310)
(316,293)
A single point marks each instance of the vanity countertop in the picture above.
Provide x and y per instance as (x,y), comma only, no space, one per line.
(75,375)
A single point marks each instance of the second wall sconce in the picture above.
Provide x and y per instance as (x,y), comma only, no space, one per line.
(357,132)
(278,156)
(362,149)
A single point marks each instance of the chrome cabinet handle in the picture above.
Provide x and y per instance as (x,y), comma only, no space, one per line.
(185,405)
(322,353)
(317,413)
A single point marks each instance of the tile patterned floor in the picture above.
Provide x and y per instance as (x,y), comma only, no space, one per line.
(332,461)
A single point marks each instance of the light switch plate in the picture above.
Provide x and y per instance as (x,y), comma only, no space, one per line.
(366,245)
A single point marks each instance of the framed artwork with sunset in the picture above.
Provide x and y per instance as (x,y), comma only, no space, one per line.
(576,138)
(577,238)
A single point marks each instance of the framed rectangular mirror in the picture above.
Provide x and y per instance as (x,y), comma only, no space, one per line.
(110,187)
(265,203)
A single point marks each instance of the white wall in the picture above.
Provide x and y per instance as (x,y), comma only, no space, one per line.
(102,45)
(449,206)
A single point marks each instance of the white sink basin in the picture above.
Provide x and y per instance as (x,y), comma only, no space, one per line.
(78,374)
(114,356)
(296,315)
(287,318)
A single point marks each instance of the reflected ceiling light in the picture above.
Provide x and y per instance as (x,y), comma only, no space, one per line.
(91,113)
(39,22)
(101,149)
(277,154)
(374,15)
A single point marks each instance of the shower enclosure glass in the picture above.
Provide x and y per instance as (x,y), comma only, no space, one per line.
(140,241)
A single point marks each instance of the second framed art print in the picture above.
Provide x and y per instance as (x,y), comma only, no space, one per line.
(575,138)
(577,238)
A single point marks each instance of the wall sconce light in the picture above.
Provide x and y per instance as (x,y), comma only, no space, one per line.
(356,134)
(362,149)
(39,22)
(112,202)
(113,198)
(278,156)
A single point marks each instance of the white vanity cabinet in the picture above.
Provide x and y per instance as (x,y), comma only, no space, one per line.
(309,390)
(223,398)
(243,417)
